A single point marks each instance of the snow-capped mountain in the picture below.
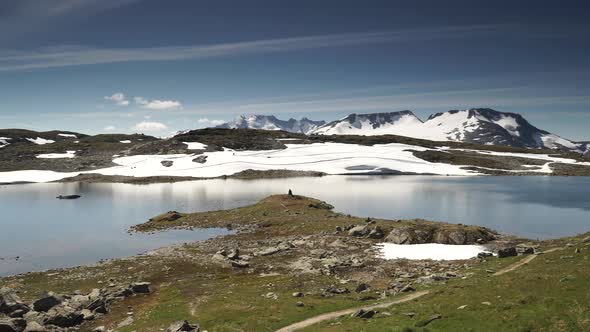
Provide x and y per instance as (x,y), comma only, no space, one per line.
(270,122)
(478,126)
(401,123)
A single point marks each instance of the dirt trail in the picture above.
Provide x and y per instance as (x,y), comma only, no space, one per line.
(522,262)
(336,314)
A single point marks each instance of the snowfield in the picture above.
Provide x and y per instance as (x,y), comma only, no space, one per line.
(330,158)
(68,154)
(125,141)
(432,251)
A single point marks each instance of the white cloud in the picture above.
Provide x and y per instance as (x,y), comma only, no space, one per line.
(110,128)
(206,121)
(157,104)
(150,126)
(118,98)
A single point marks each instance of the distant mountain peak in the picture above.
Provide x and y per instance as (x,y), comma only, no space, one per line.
(270,122)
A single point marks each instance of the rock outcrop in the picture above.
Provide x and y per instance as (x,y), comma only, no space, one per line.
(448,234)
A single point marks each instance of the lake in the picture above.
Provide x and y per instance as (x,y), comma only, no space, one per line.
(45,232)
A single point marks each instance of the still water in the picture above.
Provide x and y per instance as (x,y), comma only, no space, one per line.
(45,232)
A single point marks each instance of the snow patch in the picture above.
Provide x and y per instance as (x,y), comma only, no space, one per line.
(125,142)
(4,141)
(195,146)
(67,135)
(434,251)
(40,141)
(68,154)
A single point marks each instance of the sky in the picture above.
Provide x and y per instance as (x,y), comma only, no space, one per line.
(151,66)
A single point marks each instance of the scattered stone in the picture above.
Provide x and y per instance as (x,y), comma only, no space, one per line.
(126,322)
(297,294)
(486,303)
(233,254)
(524,249)
(299,304)
(462,307)
(577,251)
(428,321)
(335,290)
(183,326)
(240,264)
(410,314)
(99,329)
(507,252)
(11,303)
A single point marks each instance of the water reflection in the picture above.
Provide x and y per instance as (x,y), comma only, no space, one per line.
(46,232)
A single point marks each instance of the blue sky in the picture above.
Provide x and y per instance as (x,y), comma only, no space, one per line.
(160,66)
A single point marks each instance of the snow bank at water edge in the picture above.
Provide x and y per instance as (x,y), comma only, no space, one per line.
(40,141)
(125,141)
(432,251)
(68,154)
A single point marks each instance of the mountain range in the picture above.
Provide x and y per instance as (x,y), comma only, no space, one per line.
(477,125)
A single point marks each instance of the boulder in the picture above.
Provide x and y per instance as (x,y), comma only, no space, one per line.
(11,303)
(484,254)
(359,231)
(444,234)
(34,327)
(507,252)
(46,302)
(376,233)
(200,159)
(64,316)
(183,326)
(140,287)
(12,324)
(167,163)
(365,314)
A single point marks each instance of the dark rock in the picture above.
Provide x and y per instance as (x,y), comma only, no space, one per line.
(200,159)
(376,233)
(365,314)
(12,324)
(140,287)
(484,254)
(10,302)
(425,322)
(361,288)
(335,290)
(46,302)
(63,316)
(439,234)
(507,252)
(233,254)
(183,326)
(167,163)
(240,264)
(68,196)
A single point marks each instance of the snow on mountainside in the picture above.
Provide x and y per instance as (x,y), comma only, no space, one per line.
(403,123)
(478,126)
(270,122)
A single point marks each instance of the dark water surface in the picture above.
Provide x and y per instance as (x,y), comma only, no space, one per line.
(45,232)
